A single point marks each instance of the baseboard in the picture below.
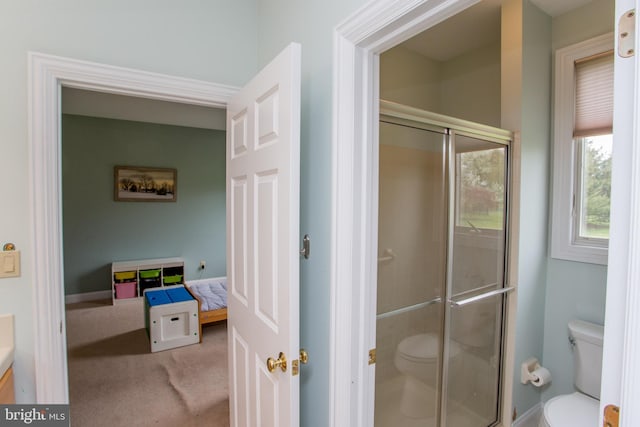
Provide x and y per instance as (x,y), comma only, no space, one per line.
(531,418)
(87,296)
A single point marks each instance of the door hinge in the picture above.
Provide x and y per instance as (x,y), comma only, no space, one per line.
(611,416)
(627,34)
(372,356)
(306,247)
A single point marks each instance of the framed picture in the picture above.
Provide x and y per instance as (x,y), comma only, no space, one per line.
(144,184)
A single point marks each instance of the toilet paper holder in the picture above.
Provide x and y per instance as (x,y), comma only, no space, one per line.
(527,368)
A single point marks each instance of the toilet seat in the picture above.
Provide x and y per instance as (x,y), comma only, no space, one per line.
(572,410)
(423,348)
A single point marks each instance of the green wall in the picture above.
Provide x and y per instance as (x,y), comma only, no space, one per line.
(98,230)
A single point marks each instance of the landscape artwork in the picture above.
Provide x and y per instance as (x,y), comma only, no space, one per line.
(145,184)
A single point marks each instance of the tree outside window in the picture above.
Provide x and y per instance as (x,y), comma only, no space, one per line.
(594,182)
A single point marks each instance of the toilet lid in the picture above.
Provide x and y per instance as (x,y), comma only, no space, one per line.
(424,346)
(575,409)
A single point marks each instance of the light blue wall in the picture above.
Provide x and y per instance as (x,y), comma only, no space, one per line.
(534,181)
(311,24)
(574,290)
(214,40)
(97,230)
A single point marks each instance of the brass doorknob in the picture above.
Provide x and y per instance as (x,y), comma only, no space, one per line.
(304,356)
(280,362)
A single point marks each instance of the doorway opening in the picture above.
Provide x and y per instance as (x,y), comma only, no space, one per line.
(109,359)
(360,68)
(268,107)
(48,74)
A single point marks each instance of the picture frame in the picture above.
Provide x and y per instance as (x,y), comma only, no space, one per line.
(145,184)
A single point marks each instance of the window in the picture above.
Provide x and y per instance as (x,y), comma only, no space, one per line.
(583,140)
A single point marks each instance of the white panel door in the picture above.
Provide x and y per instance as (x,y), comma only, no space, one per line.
(263,168)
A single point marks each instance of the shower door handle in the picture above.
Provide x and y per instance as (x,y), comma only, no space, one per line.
(473,299)
(407,309)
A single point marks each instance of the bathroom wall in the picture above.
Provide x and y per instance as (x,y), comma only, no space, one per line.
(470,86)
(466,87)
(409,78)
(98,230)
(574,290)
(527,107)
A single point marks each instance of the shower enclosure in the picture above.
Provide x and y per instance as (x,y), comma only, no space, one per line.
(442,260)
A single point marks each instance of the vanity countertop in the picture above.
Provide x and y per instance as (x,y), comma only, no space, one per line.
(7,342)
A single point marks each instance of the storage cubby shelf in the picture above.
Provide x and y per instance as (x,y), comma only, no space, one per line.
(129,279)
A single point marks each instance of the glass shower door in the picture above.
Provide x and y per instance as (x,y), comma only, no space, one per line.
(442,230)
(412,224)
(475,282)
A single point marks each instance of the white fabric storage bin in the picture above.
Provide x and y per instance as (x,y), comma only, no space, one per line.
(170,324)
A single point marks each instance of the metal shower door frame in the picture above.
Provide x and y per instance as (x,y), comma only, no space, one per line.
(450,127)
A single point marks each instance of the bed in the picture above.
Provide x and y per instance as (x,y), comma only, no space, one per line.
(211,295)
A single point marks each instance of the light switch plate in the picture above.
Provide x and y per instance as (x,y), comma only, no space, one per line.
(9,264)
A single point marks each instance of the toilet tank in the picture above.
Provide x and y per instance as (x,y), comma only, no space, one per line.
(587,356)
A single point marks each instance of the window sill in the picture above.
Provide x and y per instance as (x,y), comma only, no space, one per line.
(579,253)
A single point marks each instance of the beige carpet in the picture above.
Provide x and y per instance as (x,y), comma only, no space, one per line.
(114,379)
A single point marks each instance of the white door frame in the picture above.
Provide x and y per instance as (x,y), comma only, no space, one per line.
(47,75)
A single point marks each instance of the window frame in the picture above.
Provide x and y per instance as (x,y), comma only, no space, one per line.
(563,222)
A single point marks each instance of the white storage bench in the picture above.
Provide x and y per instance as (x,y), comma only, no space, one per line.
(171,317)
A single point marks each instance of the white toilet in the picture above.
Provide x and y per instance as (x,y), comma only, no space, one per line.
(417,357)
(579,409)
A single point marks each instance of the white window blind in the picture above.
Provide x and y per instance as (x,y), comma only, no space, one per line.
(594,96)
